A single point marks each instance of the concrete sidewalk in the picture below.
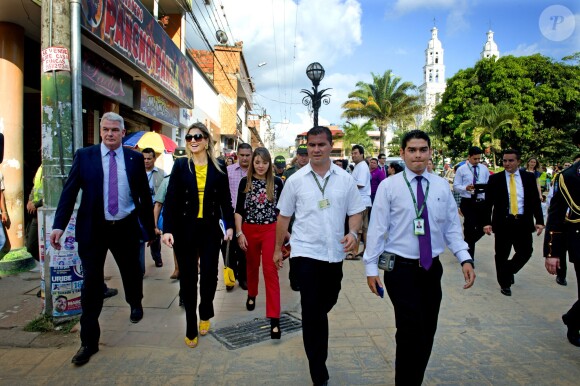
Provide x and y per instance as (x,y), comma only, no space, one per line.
(484,338)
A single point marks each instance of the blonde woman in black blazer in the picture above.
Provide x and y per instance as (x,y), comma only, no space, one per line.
(198,197)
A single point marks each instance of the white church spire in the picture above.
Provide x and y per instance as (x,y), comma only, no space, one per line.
(490,47)
(433,75)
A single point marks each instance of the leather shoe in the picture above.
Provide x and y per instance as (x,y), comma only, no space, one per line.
(83,355)
(110,292)
(561,280)
(573,334)
(506,291)
(243,285)
(159,263)
(295,287)
(136,314)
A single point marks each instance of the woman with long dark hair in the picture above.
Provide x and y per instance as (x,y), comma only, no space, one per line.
(256,217)
(198,199)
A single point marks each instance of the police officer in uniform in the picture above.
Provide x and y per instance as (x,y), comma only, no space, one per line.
(563,233)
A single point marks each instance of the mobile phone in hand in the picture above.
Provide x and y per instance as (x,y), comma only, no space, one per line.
(380,290)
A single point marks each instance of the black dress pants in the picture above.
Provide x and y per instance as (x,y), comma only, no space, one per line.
(122,239)
(473,215)
(517,235)
(574,312)
(203,240)
(416,297)
(319,283)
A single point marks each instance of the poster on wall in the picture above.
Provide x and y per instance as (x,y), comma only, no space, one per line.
(128,28)
(65,278)
(153,104)
(106,79)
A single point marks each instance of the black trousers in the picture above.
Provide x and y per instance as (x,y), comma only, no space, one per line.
(155,248)
(515,234)
(122,239)
(563,270)
(416,297)
(574,312)
(473,222)
(237,259)
(319,288)
(202,240)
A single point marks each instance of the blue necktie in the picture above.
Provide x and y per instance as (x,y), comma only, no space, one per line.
(113,206)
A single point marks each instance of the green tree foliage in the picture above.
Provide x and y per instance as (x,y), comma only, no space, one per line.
(385,101)
(543,94)
(357,134)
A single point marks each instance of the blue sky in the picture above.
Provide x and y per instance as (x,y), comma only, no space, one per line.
(353,38)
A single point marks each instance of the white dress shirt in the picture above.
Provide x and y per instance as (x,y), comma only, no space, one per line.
(519,190)
(391,225)
(362,177)
(465,175)
(316,232)
(126,204)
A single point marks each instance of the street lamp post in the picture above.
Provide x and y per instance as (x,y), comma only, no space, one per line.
(314,99)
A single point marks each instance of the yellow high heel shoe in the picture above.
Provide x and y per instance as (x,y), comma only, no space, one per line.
(204,327)
(191,343)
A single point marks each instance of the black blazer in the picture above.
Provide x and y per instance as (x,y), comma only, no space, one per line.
(181,205)
(498,205)
(87,174)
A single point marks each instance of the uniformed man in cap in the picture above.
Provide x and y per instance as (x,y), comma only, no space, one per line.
(563,233)
(301,160)
(279,166)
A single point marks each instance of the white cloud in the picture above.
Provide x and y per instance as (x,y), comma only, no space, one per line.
(406,6)
(523,50)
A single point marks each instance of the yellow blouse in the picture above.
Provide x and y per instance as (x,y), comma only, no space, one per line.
(201,176)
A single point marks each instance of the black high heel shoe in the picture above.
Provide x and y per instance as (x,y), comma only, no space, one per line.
(275,332)
(251,303)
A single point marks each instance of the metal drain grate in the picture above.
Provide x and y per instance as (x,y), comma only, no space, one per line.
(254,331)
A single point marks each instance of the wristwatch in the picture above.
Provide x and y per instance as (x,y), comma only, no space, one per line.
(354,234)
(239,234)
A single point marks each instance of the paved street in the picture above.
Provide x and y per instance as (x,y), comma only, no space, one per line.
(484,338)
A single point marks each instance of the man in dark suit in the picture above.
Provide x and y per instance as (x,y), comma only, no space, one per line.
(512,203)
(115,198)
(563,234)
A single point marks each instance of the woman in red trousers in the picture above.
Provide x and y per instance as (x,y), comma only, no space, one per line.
(255,218)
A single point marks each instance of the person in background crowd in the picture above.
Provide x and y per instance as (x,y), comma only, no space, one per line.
(512,203)
(382,163)
(229,161)
(430,167)
(414,218)
(533,166)
(154,178)
(197,200)
(394,168)
(35,201)
(377,175)
(279,166)
(256,216)
(163,21)
(320,195)
(116,199)
(562,234)
(235,174)
(362,177)
(468,177)
(4,216)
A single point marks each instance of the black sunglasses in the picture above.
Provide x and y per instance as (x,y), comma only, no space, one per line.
(196,137)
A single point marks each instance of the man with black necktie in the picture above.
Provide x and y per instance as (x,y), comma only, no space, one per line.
(469,177)
(115,198)
(414,218)
(512,203)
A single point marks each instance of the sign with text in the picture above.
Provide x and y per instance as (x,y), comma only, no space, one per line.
(55,59)
(106,79)
(150,102)
(129,29)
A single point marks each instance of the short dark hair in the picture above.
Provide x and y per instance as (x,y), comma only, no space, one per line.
(512,151)
(317,130)
(576,138)
(414,134)
(244,145)
(396,167)
(473,150)
(148,150)
(360,149)
(375,159)
(382,155)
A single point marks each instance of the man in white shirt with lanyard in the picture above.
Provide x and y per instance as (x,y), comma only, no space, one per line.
(414,218)
(468,180)
(362,177)
(321,195)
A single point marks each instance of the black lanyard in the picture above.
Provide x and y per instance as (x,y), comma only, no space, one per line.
(318,183)
(417,210)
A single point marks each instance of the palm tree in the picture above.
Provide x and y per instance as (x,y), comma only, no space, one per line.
(385,101)
(486,122)
(357,134)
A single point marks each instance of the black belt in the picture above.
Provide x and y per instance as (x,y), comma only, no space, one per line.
(472,200)
(404,260)
(117,222)
(515,216)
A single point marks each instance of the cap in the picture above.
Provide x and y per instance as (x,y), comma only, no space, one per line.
(179,152)
(280,161)
(302,149)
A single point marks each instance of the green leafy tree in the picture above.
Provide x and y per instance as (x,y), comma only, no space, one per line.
(357,134)
(387,100)
(486,124)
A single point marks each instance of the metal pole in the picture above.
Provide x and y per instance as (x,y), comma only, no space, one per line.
(315,104)
(75,64)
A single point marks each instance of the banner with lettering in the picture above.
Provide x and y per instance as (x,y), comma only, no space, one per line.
(150,102)
(128,28)
(106,79)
